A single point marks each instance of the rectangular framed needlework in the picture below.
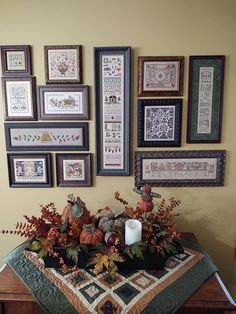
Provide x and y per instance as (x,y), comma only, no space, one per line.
(206,82)
(180,168)
(46,136)
(74,170)
(19,96)
(159,122)
(29,170)
(160,76)
(16,60)
(112,103)
(63,64)
(63,102)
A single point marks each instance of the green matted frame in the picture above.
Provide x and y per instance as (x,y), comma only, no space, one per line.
(206,82)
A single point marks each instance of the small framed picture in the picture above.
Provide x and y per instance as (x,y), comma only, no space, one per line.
(63,102)
(180,168)
(63,64)
(73,170)
(29,170)
(205,99)
(16,60)
(159,122)
(47,136)
(160,76)
(19,97)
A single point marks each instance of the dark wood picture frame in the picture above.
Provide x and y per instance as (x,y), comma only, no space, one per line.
(112,109)
(63,102)
(19,98)
(47,136)
(180,168)
(29,170)
(74,170)
(205,99)
(16,60)
(63,64)
(160,76)
(159,122)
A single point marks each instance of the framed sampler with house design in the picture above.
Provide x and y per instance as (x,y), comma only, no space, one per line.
(19,97)
(180,168)
(29,170)
(112,100)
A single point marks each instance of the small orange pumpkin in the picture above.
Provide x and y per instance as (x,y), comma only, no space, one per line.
(91,235)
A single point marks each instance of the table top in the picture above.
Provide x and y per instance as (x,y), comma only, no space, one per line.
(212,294)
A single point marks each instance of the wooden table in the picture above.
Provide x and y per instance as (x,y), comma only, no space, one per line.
(211,298)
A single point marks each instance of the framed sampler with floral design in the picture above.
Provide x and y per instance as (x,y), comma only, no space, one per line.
(46,136)
(159,122)
(63,64)
(160,76)
(74,170)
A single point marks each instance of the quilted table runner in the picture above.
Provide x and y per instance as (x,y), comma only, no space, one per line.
(133,291)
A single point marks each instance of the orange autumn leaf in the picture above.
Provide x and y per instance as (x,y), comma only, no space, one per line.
(75,230)
(129,211)
(99,262)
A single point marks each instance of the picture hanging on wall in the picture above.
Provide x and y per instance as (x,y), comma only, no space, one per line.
(46,136)
(29,170)
(63,64)
(19,97)
(112,103)
(160,76)
(74,170)
(159,122)
(180,168)
(16,60)
(63,102)
(205,99)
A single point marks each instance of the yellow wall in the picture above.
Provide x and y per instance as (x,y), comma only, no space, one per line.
(151,27)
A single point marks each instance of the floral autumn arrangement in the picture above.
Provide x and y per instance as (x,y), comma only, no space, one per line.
(78,238)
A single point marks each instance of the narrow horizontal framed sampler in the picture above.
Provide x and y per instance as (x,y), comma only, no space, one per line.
(112,103)
(29,170)
(47,136)
(63,102)
(180,168)
(74,170)
(205,99)
(19,97)
(160,76)
(159,122)
(16,60)
(63,64)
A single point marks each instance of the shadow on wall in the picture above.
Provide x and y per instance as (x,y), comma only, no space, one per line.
(211,231)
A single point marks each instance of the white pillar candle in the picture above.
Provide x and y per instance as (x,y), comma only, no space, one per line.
(133,231)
